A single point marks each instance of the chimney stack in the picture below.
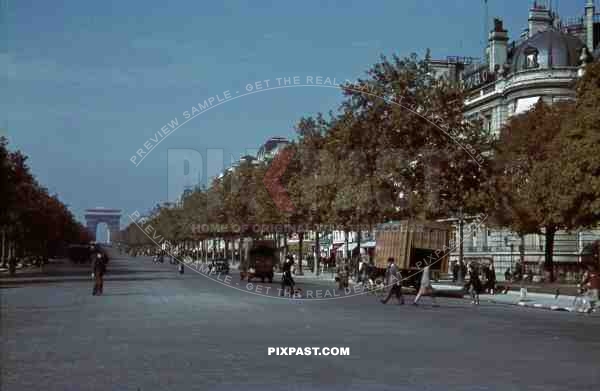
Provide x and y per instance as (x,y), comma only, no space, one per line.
(540,17)
(589,24)
(498,44)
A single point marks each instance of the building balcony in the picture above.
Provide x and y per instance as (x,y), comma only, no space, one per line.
(516,249)
(477,249)
(541,76)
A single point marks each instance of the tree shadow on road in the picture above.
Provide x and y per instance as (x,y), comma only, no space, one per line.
(26,281)
(127,294)
(79,272)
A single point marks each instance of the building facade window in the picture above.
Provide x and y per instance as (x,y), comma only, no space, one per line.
(531,58)
(488,123)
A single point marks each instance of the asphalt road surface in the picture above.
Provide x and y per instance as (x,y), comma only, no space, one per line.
(154,329)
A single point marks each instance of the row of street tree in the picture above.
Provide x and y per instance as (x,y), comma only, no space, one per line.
(397,147)
(33,223)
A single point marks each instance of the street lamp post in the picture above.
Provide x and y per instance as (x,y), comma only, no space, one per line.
(512,246)
(461,253)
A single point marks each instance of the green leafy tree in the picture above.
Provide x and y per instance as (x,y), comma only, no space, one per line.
(529,177)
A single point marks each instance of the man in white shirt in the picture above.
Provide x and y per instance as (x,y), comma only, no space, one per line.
(361,266)
(425,288)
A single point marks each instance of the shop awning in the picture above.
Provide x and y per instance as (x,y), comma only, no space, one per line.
(324,243)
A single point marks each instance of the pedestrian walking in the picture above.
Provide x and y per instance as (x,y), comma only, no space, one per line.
(491,279)
(474,283)
(426,289)
(462,272)
(455,270)
(507,275)
(393,279)
(98,270)
(12,266)
(591,281)
(361,270)
(286,278)
(518,273)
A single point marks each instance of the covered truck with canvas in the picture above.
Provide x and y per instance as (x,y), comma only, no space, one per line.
(413,244)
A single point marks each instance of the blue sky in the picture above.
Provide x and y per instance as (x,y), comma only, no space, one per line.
(88,82)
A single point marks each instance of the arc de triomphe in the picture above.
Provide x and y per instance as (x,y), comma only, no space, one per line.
(111,217)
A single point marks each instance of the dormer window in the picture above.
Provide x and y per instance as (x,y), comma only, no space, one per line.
(531,58)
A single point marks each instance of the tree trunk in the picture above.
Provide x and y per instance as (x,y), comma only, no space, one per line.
(276,235)
(346,245)
(549,252)
(3,253)
(461,253)
(285,247)
(243,251)
(317,253)
(522,250)
(300,252)
(358,239)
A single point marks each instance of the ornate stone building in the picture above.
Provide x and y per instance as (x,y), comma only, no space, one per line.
(544,63)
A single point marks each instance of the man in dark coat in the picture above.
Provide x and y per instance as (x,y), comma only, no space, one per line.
(455,271)
(474,283)
(491,279)
(286,278)
(393,279)
(99,267)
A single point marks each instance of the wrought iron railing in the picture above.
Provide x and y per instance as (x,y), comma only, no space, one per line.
(502,248)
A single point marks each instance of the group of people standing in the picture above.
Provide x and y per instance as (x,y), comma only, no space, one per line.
(480,278)
(475,286)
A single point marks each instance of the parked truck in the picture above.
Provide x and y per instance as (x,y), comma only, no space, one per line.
(261,258)
(413,244)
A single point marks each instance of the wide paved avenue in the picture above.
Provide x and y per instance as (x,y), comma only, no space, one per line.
(154,329)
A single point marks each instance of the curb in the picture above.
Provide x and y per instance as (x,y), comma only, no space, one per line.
(544,306)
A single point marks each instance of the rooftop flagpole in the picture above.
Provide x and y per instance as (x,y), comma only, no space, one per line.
(486,29)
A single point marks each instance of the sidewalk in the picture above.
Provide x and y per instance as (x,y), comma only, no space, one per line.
(55,268)
(533,300)
(309,275)
(19,266)
(545,301)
